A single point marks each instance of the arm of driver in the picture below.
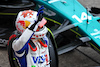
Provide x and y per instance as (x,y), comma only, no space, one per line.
(22,40)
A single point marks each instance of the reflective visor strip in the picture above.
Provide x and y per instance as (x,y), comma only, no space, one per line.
(8,13)
(70,30)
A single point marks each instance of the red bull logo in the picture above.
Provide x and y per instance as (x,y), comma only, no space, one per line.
(22,23)
(19,28)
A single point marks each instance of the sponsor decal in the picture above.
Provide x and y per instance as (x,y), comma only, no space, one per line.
(96,33)
(33,66)
(19,28)
(40,59)
(84,16)
(22,23)
(52,1)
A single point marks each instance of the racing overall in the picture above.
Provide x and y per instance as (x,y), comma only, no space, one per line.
(29,51)
(31,48)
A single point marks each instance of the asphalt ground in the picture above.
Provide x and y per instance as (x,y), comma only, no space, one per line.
(70,59)
(76,59)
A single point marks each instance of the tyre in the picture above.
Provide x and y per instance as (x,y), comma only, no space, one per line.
(52,53)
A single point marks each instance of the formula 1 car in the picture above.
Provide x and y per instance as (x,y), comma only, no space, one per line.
(70,23)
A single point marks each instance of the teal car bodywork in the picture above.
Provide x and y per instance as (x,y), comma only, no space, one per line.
(87,24)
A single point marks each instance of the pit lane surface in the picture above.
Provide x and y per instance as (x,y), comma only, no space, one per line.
(70,59)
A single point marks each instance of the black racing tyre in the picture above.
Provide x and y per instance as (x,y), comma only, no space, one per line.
(53,55)
(52,52)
